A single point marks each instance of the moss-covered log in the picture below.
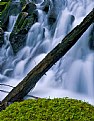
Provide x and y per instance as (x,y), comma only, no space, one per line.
(34,75)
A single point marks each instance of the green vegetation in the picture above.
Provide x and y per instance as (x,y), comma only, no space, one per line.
(25,20)
(2,5)
(4,15)
(62,109)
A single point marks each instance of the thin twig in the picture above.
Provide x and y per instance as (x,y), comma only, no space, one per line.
(7,85)
(4,91)
(27,95)
(33,96)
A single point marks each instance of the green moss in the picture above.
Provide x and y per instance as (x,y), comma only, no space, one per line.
(3,3)
(49,110)
(4,15)
(11,8)
(23,3)
(6,8)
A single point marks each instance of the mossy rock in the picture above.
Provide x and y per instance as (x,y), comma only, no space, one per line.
(11,8)
(18,36)
(24,22)
(19,22)
(23,3)
(62,109)
(29,8)
(4,15)
(27,13)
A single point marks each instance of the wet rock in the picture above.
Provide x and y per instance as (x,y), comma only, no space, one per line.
(1,37)
(18,38)
(91,39)
(24,17)
(17,42)
(4,16)
(46,5)
(19,22)
(1,41)
(15,8)
(24,22)
(23,3)
(12,8)
(55,9)
(29,8)
(1,31)
(8,72)
(52,16)
(52,21)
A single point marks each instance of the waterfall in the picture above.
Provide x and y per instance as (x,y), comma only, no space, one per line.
(73,74)
(12,20)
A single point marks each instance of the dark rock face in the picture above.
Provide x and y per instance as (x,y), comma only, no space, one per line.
(17,41)
(46,5)
(23,3)
(55,9)
(91,39)
(1,37)
(29,8)
(4,16)
(15,8)
(1,31)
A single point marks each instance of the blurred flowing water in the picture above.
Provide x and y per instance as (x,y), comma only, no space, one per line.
(73,74)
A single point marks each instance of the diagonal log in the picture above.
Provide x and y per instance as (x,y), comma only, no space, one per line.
(22,89)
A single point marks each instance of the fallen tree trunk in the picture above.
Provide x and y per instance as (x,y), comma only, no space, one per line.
(34,75)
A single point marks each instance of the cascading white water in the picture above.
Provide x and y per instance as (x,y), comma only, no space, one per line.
(73,74)
(12,20)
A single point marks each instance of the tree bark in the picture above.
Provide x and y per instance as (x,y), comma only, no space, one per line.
(52,57)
